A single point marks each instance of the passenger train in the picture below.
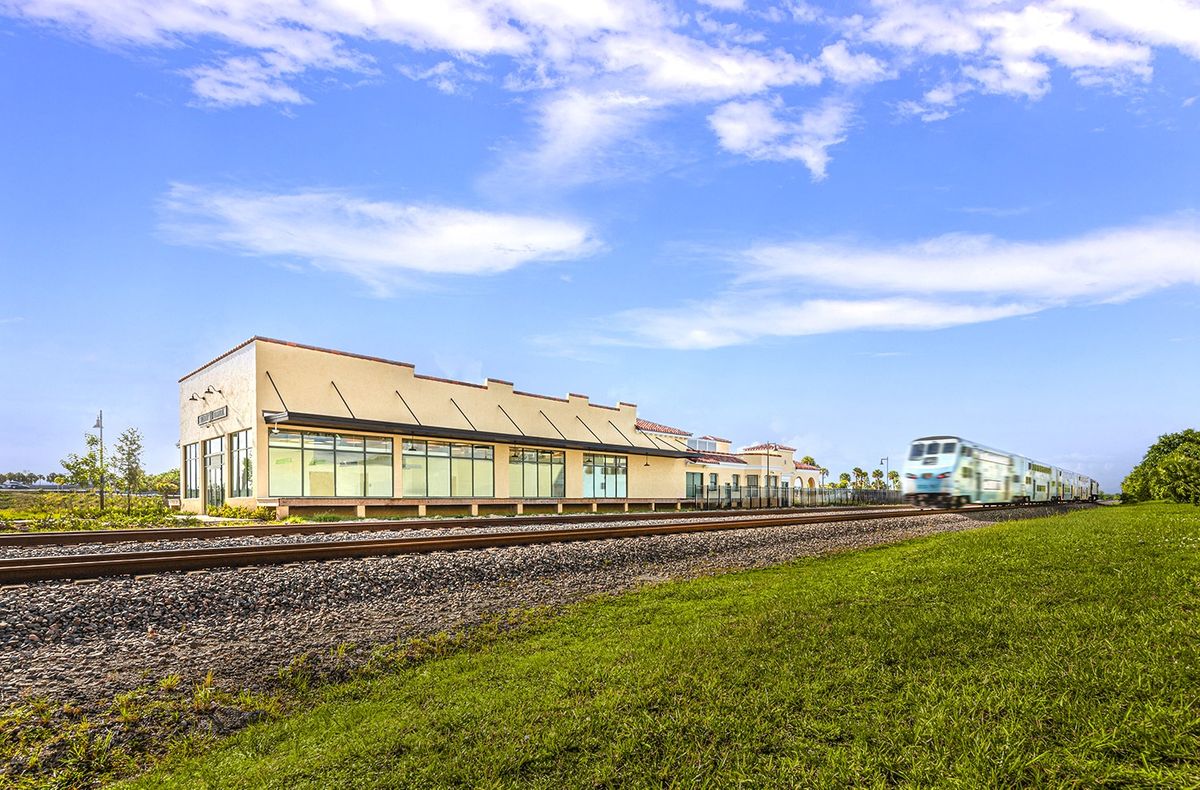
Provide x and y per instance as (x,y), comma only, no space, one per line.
(950,472)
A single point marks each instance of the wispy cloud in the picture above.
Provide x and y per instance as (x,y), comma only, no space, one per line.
(804,288)
(384,244)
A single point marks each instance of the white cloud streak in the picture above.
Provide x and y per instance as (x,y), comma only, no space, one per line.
(383,244)
(950,280)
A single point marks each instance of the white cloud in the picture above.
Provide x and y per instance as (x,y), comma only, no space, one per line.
(755,129)
(576,141)
(447,76)
(1107,265)
(736,320)
(381,243)
(851,68)
(807,288)
(673,63)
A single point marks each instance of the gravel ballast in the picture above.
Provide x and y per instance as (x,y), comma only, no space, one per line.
(84,642)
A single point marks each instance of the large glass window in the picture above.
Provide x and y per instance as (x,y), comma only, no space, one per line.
(605,475)
(283,463)
(537,473)
(441,469)
(695,481)
(241,465)
(191,471)
(326,465)
(214,471)
(318,464)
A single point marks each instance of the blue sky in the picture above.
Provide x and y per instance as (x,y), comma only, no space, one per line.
(838,226)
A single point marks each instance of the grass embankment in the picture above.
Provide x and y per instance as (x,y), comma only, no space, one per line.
(1059,651)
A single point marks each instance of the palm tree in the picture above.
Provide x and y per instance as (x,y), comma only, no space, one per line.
(877,479)
(844,480)
(860,477)
(894,480)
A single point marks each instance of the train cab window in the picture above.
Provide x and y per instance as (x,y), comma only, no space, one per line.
(918,450)
(948,447)
(966,452)
(931,448)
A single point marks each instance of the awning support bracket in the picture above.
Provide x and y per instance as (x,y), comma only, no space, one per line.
(343,397)
(464,414)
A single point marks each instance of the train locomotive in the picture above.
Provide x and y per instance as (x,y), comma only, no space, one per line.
(947,471)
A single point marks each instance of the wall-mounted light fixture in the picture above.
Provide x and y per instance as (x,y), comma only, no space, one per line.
(194,397)
(211,389)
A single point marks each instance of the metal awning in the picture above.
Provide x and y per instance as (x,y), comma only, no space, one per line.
(304,420)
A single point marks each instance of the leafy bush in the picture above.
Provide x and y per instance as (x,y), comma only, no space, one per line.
(1170,470)
(236,511)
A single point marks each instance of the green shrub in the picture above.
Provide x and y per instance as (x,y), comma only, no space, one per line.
(236,511)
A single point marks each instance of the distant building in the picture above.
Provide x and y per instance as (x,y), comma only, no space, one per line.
(300,428)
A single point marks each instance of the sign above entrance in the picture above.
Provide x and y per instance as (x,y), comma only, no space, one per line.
(213,416)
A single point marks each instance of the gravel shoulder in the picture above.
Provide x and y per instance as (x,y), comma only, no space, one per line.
(85,642)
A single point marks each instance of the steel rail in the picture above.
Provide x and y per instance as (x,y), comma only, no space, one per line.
(23,570)
(143,535)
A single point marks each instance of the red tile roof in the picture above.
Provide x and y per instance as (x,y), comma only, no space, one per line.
(716,439)
(718,458)
(807,466)
(656,427)
(767,446)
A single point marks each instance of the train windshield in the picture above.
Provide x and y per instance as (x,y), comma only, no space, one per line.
(918,450)
(931,448)
(948,447)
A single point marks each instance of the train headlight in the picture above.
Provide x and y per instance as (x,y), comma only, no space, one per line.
(943,475)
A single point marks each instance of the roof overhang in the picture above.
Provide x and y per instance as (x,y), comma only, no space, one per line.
(304,420)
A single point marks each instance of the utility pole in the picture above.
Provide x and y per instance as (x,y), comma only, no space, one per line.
(886,469)
(100,424)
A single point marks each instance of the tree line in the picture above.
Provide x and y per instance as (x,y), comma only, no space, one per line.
(1170,470)
(859,478)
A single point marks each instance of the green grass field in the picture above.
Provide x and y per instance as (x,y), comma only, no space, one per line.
(1054,652)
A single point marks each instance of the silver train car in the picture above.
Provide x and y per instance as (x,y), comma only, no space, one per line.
(948,471)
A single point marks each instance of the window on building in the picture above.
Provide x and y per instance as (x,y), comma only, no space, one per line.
(442,469)
(712,480)
(326,465)
(751,481)
(736,482)
(702,445)
(241,465)
(191,471)
(694,482)
(537,473)
(214,471)
(605,476)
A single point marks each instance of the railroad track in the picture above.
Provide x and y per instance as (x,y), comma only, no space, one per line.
(24,570)
(75,537)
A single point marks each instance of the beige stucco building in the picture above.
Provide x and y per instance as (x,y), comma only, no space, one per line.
(299,428)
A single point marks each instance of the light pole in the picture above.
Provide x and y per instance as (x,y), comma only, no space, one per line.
(100,424)
(767,480)
(886,470)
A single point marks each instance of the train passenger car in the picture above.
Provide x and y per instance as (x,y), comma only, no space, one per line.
(950,472)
